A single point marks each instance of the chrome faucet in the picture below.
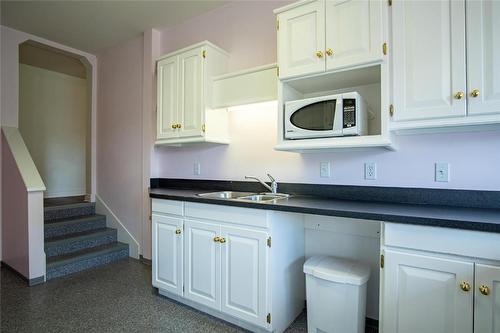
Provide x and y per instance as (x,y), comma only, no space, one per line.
(274,184)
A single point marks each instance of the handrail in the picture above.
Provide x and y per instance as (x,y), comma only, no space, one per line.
(29,173)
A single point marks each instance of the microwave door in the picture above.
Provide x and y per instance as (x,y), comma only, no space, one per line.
(315,120)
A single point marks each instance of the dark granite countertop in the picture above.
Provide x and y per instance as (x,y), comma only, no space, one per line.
(479,219)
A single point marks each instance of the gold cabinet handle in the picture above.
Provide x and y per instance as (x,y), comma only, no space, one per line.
(173,126)
(329,51)
(178,125)
(465,286)
(319,54)
(475,93)
(484,290)
(459,95)
(178,231)
(216,239)
(222,240)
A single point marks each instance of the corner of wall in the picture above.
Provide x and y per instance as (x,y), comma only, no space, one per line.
(113,221)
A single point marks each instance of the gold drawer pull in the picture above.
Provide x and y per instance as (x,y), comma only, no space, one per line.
(459,95)
(216,239)
(222,240)
(329,51)
(475,93)
(465,286)
(484,290)
(178,231)
(319,54)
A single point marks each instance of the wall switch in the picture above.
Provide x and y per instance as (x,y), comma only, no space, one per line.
(196,168)
(370,171)
(325,170)
(442,172)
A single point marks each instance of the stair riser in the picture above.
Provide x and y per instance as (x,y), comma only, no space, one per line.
(56,214)
(69,247)
(59,230)
(62,270)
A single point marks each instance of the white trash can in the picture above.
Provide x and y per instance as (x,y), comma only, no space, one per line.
(336,295)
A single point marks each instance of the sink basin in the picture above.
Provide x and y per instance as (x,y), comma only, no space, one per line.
(264,197)
(225,195)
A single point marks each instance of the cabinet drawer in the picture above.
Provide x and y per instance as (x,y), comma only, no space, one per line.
(236,215)
(475,244)
(167,206)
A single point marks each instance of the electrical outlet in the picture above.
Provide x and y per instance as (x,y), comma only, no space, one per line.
(442,172)
(370,171)
(325,170)
(196,168)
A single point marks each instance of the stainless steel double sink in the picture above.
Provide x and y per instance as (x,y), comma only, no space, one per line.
(245,196)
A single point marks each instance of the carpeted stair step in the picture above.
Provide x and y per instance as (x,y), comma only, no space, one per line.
(65,244)
(52,213)
(66,264)
(73,225)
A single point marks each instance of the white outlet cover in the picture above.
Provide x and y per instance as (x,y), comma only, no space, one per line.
(370,171)
(442,172)
(325,170)
(196,168)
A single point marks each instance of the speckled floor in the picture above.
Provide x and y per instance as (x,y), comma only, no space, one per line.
(114,298)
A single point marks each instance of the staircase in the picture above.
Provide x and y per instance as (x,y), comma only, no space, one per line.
(76,239)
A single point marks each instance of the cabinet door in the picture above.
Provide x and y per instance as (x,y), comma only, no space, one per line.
(353,32)
(428,59)
(167,255)
(487,302)
(191,105)
(301,35)
(423,294)
(202,263)
(483,56)
(167,98)
(244,274)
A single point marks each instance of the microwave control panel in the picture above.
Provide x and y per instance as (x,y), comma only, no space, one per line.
(349,112)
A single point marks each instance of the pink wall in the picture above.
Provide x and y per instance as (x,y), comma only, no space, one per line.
(119,132)
(15,238)
(247,31)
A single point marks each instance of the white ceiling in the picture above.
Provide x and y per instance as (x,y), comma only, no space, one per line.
(93,25)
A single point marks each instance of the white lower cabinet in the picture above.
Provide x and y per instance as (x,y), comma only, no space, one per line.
(202,263)
(220,262)
(432,283)
(487,299)
(244,273)
(167,253)
(424,294)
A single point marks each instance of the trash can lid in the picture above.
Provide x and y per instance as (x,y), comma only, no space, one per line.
(338,270)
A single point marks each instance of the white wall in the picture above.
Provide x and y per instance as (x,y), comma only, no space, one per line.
(53,120)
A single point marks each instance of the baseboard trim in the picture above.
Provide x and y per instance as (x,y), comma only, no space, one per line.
(145,261)
(31,282)
(112,221)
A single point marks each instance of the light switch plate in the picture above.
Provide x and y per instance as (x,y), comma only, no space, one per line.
(442,172)
(325,170)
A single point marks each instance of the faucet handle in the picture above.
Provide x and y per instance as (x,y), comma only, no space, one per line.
(271,177)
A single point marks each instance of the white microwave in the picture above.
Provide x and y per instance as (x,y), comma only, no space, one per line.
(326,116)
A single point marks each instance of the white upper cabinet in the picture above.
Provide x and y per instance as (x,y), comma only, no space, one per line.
(353,32)
(427,294)
(301,40)
(483,56)
(429,59)
(184,96)
(167,98)
(167,254)
(487,299)
(323,35)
